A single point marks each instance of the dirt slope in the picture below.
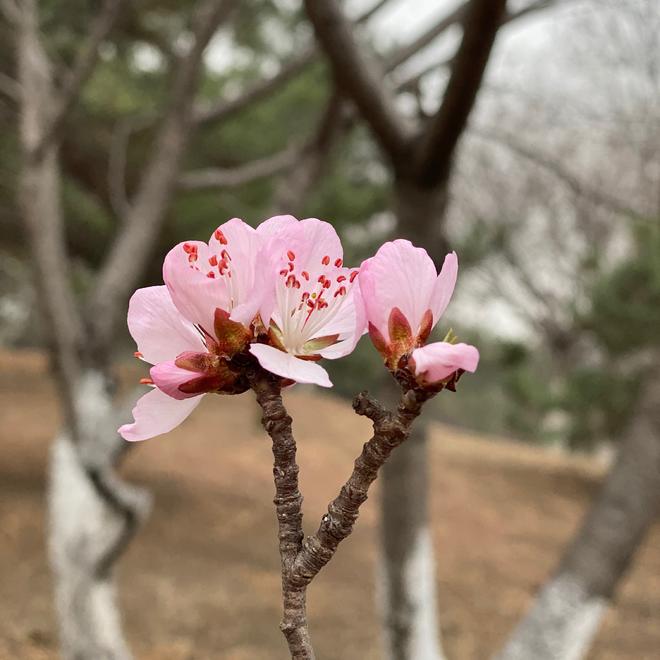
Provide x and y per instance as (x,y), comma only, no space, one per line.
(201,581)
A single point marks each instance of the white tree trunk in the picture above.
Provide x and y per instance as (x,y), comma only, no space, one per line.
(566,614)
(82,528)
(423,640)
(407,569)
(560,626)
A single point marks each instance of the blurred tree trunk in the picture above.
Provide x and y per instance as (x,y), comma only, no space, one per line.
(567,612)
(93,514)
(80,524)
(89,529)
(408,578)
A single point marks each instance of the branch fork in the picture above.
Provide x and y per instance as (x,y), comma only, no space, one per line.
(302,557)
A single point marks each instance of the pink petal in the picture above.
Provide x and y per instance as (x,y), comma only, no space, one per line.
(275,225)
(313,243)
(441,359)
(195,295)
(399,275)
(156,413)
(168,377)
(250,283)
(289,366)
(444,286)
(161,333)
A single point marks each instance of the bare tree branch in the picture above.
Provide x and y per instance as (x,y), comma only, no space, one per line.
(82,70)
(223,109)
(293,188)
(554,167)
(10,88)
(218,177)
(302,560)
(39,199)
(117,168)
(480,25)
(126,259)
(390,430)
(358,76)
(11,11)
(427,37)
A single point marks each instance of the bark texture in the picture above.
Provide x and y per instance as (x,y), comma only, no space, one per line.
(303,558)
(566,614)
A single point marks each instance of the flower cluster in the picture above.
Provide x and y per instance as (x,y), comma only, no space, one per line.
(281,295)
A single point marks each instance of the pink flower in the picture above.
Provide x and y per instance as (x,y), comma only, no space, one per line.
(404,298)
(227,273)
(317,311)
(192,327)
(438,361)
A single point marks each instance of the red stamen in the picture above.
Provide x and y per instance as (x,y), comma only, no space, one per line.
(321,279)
(296,284)
(137,354)
(225,255)
(219,236)
(189,249)
(290,281)
(305,274)
(211,274)
(341,278)
(291,255)
(146,381)
(338,263)
(290,266)
(284,272)
(326,260)
(213,260)
(326,284)
(354,274)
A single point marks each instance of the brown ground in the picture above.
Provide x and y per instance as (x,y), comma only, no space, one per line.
(201,580)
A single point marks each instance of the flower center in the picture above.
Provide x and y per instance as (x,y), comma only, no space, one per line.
(309,302)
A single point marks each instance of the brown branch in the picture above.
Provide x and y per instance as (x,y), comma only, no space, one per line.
(222,109)
(126,260)
(359,77)
(435,153)
(302,560)
(82,69)
(40,203)
(231,177)
(481,21)
(426,38)
(293,188)
(288,505)
(390,430)
(10,88)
